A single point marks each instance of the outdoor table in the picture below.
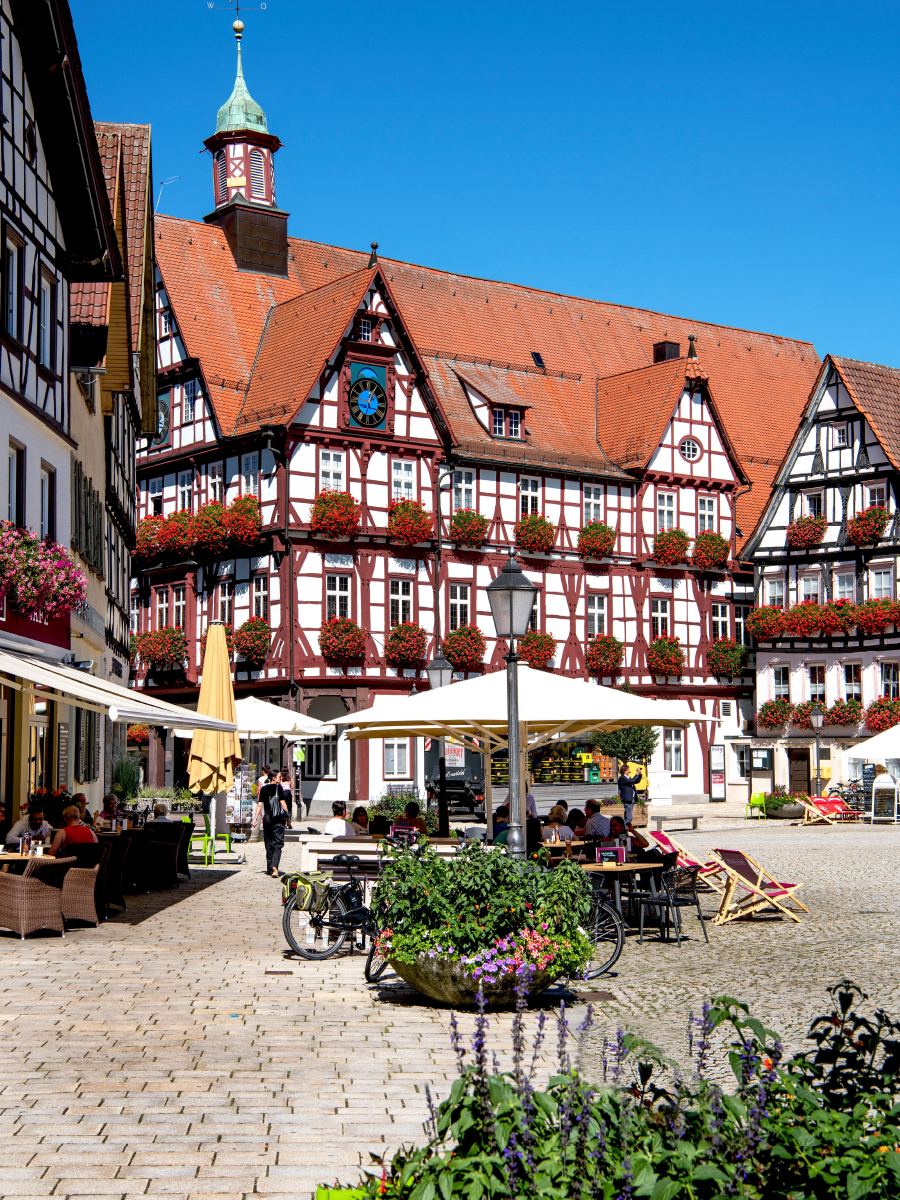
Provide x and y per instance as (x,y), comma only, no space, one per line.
(617,870)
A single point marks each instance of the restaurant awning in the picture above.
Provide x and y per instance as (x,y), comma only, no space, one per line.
(55,682)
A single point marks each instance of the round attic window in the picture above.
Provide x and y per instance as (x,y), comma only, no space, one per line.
(690,449)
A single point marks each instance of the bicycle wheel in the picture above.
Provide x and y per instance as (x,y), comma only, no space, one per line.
(375,965)
(310,938)
(606,930)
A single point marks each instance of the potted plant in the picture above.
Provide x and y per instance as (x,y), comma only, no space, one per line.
(800,715)
(868,526)
(874,616)
(468,528)
(764,622)
(176,534)
(537,649)
(334,515)
(409,522)
(244,516)
(838,616)
(774,714)
(803,620)
(596,540)
(882,714)
(665,656)
(844,712)
(671,547)
(163,649)
(405,644)
(710,551)
(252,641)
(39,579)
(806,532)
(464,647)
(210,531)
(535,534)
(148,544)
(726,657)
(784,804)
(604,654)
(342,640)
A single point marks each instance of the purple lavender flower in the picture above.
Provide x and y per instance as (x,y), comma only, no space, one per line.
(562,1033)
(621,1053)
(705,1026)
(456,1043)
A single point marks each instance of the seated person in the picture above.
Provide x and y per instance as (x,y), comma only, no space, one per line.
(556,828)
(501,821)
(339,826)
(360,821)
(532,836)
(33,826)
(72,833)
(160,813)
(596,825)
(575,821)
(411,818)
(80,802)
(618,827)
(110,810)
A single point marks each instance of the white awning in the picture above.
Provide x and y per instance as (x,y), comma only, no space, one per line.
(55,682)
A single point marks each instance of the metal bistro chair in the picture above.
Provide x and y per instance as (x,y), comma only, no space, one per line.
(670,891)
(756,804)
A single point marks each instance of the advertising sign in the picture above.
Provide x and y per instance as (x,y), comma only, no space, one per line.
(717,772)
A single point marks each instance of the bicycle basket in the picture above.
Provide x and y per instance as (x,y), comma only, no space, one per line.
(311,890)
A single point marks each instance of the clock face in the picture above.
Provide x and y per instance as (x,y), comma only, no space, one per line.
(162,431)
(368,403)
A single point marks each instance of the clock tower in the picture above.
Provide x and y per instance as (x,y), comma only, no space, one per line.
(243,153)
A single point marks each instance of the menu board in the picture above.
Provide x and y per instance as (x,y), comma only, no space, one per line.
(868,776)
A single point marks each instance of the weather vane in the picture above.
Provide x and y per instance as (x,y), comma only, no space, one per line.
(237,24)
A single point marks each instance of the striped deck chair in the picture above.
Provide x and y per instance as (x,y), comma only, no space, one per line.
(750,889)
(709,875)
(827,810)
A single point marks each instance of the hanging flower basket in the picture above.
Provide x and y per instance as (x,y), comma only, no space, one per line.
(176,535)
(468,528)
(868,526)
(210,530)
(604,654)
(163,649)
(405,644)
(665,656)
(342,640)
(882,714)
(334,515)
(244,521)
(596,540)
(39,579)
(138,735)
(765,622)
(535,534)
(408,522)
(148,537)
(464,648)
(726,657)
(252,641)
(229,642)
(803,620)
(537,649)
(774,714)
(710,551)
(671,547)
(874,616)
(806,532)
(844,712)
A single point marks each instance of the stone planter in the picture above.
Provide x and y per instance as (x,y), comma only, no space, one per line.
(445,979)
(788,812)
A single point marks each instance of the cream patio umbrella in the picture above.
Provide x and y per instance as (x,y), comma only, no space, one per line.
(258,717)
(215,755)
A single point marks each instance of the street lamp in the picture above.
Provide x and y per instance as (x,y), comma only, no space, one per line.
(817,720)
(511,597)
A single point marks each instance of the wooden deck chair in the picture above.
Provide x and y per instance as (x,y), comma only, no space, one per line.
(709,875)
(750,888)
(827,810)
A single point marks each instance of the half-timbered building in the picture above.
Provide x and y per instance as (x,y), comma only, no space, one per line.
(488,396)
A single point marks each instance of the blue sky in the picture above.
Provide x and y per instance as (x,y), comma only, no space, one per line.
(730,163)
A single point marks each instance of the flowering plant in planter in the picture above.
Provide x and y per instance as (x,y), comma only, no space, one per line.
(774,713)
(38,578)
(535,534)
(406,643)
(882,714)
(765,622)
(665,656)
(596,540)
(210,531)
(342,639)
(875,615)
(252,641)
(844,712)
(409,522)
(868,526)
(176,535)
(801,620)
(806,532)
(726,657)
(710,551)
(800,715)
(229,642)
(671,547)
(468,528)
(138,735)
(604,654)
(164,649)
(334,515)
(838,616)
(464,647)
(537,649)
(244,521)
(148,531)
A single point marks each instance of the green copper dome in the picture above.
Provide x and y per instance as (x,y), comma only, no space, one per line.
(240,110)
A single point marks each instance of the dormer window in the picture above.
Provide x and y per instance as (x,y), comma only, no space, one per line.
(514,423)
(364,333)
(506,422)
(499,422)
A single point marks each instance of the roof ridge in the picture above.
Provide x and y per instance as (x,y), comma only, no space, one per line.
(862,362)
(321,288)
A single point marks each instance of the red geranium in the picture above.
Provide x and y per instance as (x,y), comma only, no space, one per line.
(138,735)
(148,537)
(468,528)
(874,616)
(604,654)
(244,521)
(342,640)
(802,620)
(806,532)
(773,714)
(210,531)
(710,551)
(882,714)
(334,515)
(665,656)
(671,547)
(726,657)
(596,540)
(765,622)
(408,522)
(176,534)
(406,643)
(163,649)
(838,616)
(868,526)
(844,712)
(535,534)
(464,647)
(252,641)
(537,648)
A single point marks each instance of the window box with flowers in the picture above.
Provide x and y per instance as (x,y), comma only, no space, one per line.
(252,641)
(342,640)
(844,712)
(405,644)
(334,515)
(665,656)
(800,715)
(838,616)
(806,532)
(765,622)
(229,643)
(596,540)
(176,534)
(210,530)
(138,735)
(874,616)
(710,551)
(409,522)
(464,648)
(726,657)
(604,654)
(244,521)
(535,534)
(39,579)
(468,528)
(163,649)
(774,714)
(537,649)
(148,544)
(868,526)
(882,714)
(671,547)
(802,620)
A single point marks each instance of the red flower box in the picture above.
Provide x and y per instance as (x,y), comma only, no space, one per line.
(882,714)
(665,656)
(710,551)
(464,648)
(802,620)
(844,712)
(244,521)
(537,649)
(163,649)
(334,515)
(838,616)
(596,540)
(671,547)
(342,640)
(535,534)
(726,657)
(148,537)
(176,535)
(604,654)
(868,526)
(210,531)
(405,644)
(874,616)
(806,532)
(408,522)
(774,714)
(800,715)
(468,528)
(252,641)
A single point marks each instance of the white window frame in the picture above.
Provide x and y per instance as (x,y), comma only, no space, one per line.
(397,758)
(810,588)
(720,621)
(11,287)
(321,758)
(666,511)
(261,596)
(364,331)
(843,589)
(853,684)
(331,471)
(839,437)
(189,401)
(514,418)
(592,500)
(457,605)
(813,501)
(161,596)
(660,618)
(226,602)
(403,479)
(250,474)
(155,497)
(740,614)
(877,578)
(257,174)
(463,490)
(877,495)
(595,619)
(692,444)
(781,683)
(674,751)
(890,680)
(775,593)
(186,491)
(215,482)
(179,606)
(45,318)
(45,503)
(400,595)
(498,422)
(337,595)
(815,682)
(706,514)
(529,495)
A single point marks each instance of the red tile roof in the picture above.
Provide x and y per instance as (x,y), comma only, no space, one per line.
(89,303)
(875,390)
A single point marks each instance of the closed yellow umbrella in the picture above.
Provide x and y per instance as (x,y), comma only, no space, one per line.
(215,755)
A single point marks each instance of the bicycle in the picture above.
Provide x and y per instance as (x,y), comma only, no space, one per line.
(606,930)
(319,935)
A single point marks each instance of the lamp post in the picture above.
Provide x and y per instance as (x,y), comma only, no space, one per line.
(817,720)
(440,673)
(511,598)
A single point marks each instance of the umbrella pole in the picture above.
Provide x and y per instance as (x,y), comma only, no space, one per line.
(488,796)
(523,773)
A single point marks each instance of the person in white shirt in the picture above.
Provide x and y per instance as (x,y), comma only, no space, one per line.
(556,829)
(160,814)
(596,825)
(339,826)
(33,826)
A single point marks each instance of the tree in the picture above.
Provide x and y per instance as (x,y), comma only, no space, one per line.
(635,743)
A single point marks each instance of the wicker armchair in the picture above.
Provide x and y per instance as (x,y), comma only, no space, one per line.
(83,887)
(33,900)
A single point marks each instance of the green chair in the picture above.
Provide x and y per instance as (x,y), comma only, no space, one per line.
(218,837)
(756,804)
(207,845)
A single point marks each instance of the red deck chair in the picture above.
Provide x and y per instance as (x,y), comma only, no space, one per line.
(827,810)
(750,888)
(709,874)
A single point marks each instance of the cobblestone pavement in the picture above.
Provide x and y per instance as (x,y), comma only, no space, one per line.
(155,1055)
